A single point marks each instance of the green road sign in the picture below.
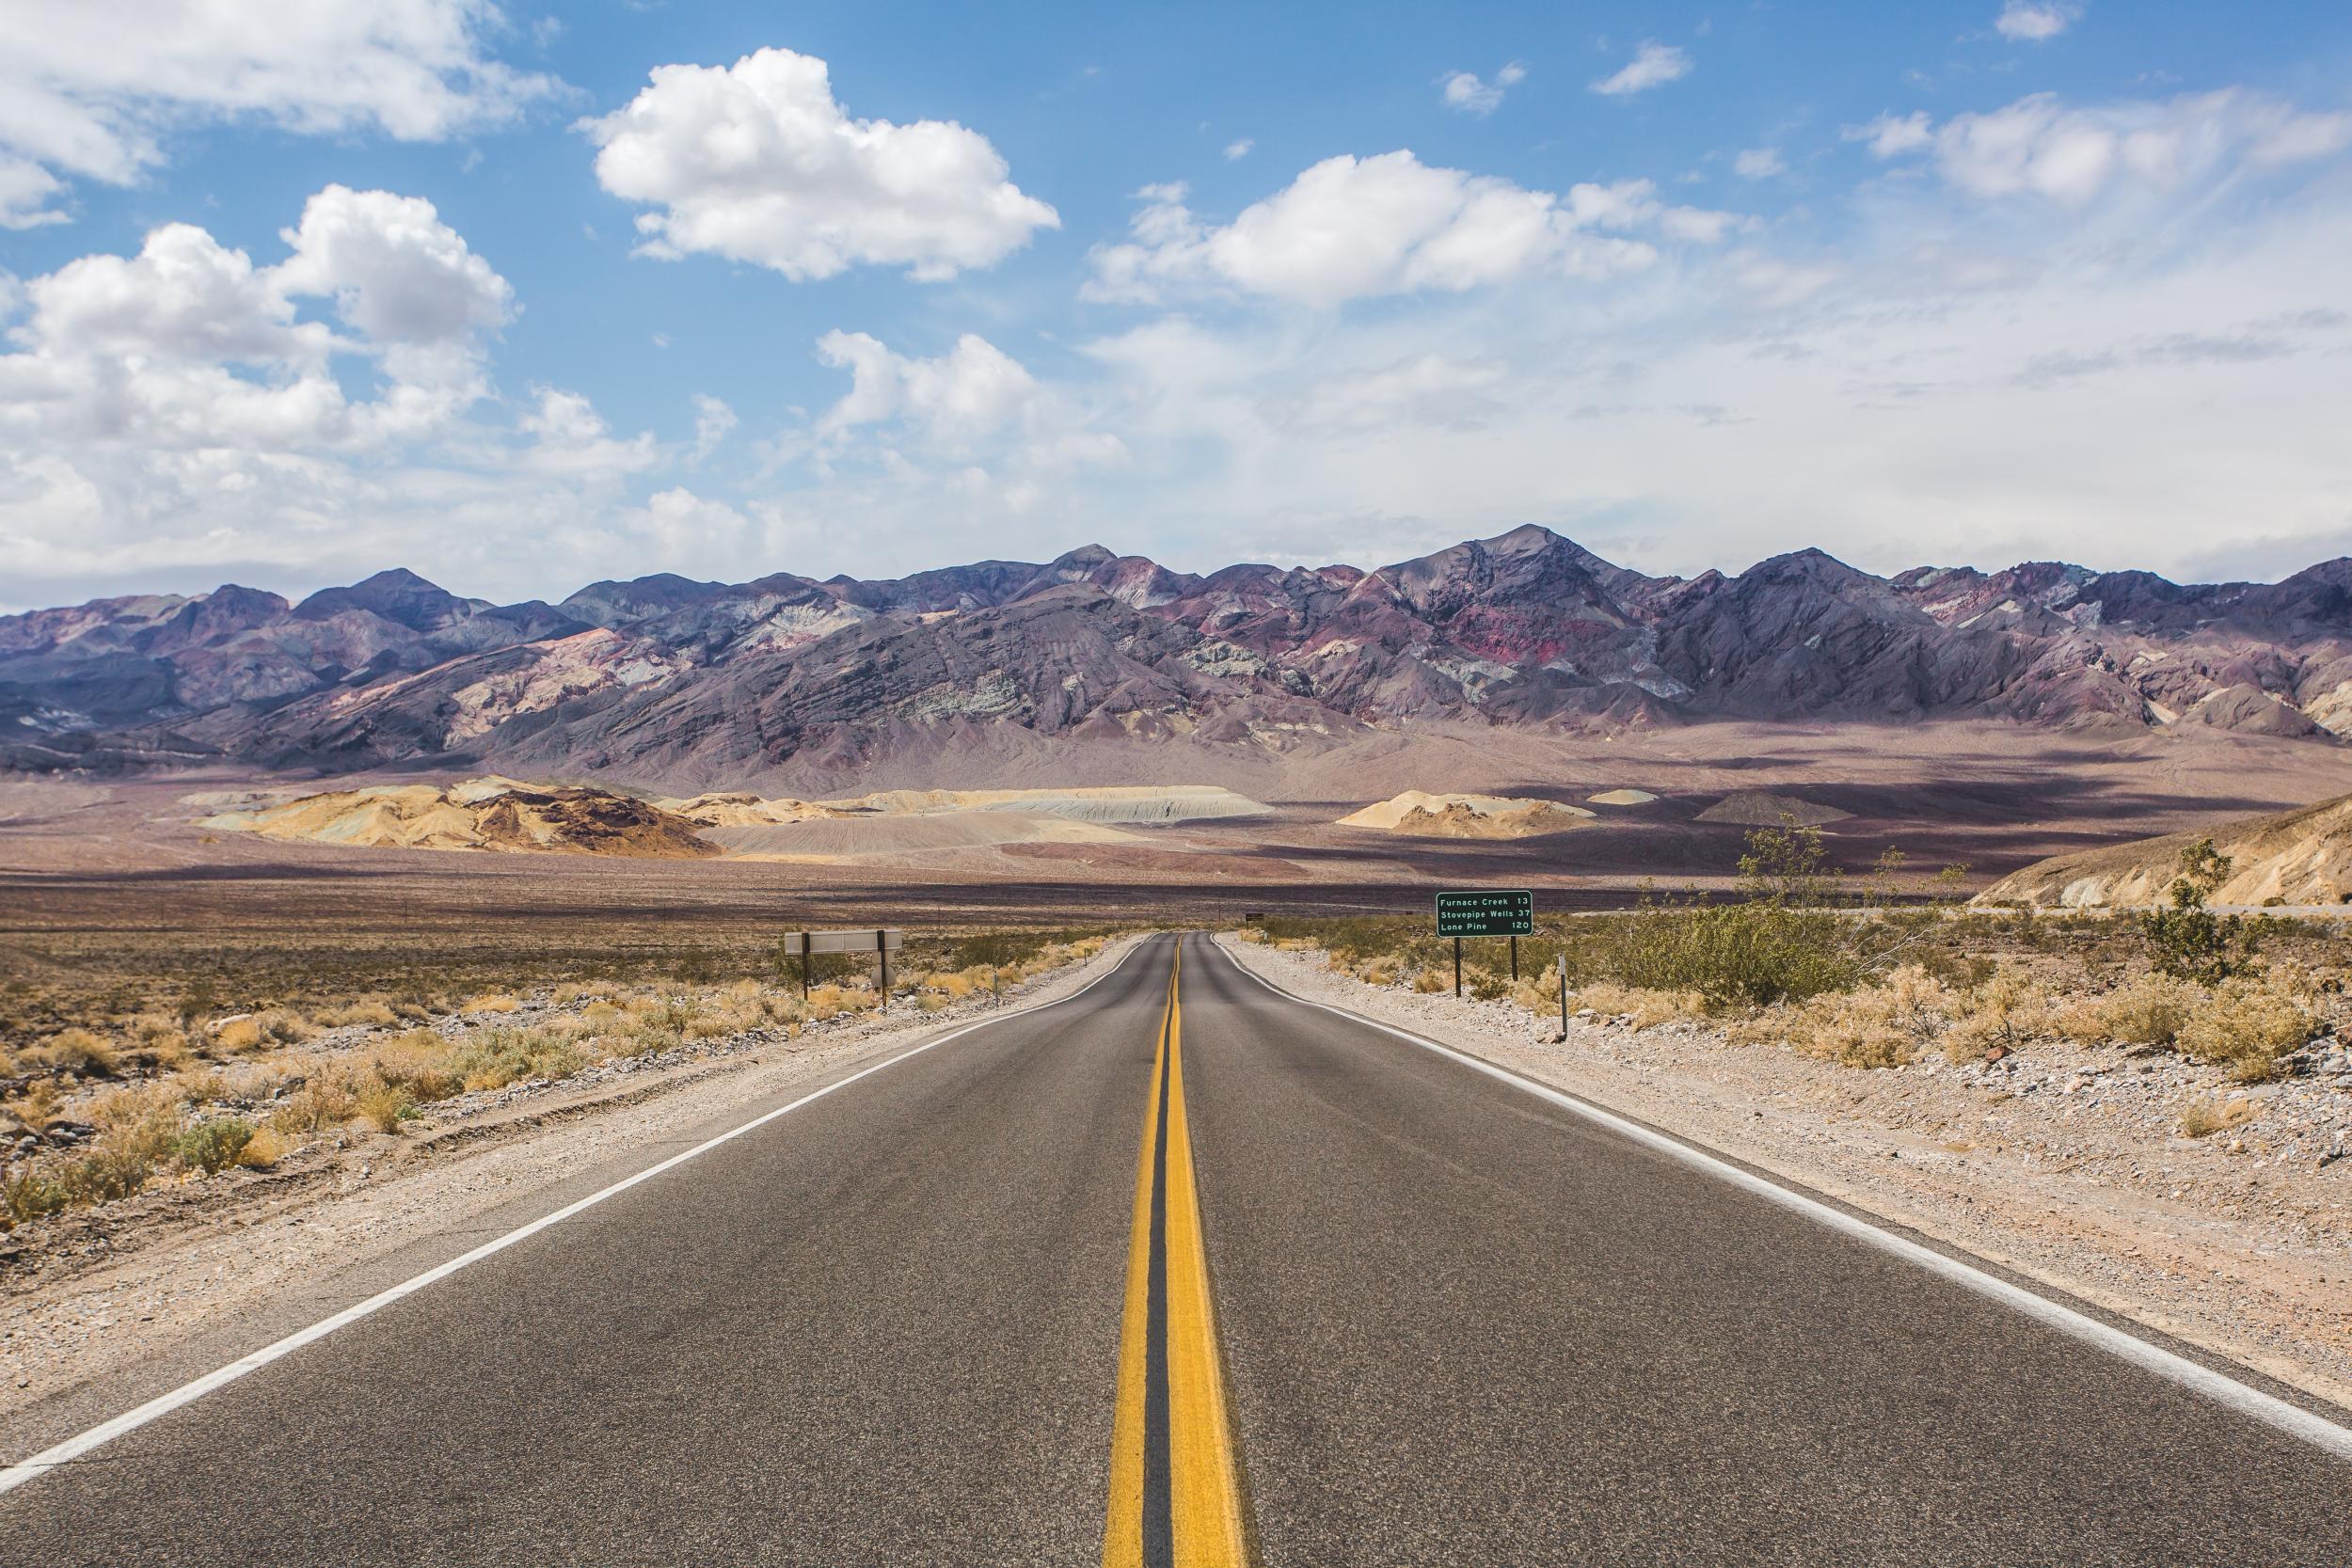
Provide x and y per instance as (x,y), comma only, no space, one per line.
(1486,913)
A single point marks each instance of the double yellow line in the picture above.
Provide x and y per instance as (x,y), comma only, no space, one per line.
(1175,1487)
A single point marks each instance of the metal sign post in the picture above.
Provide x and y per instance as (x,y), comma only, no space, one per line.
(881,941)
(1485,912)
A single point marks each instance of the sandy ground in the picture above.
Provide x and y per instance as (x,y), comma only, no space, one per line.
(2061,1163)
(108,1308)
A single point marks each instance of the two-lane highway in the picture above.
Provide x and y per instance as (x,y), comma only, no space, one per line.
(1177,1269)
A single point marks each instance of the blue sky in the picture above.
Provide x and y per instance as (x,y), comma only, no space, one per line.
(524,297)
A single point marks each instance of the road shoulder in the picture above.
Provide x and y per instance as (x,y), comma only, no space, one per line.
(2003,1178)
(195,1282)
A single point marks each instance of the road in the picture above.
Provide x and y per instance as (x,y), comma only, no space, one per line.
(1177,1270)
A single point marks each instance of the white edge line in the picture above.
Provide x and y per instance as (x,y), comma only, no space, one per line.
(188,1393)
(2269,1409)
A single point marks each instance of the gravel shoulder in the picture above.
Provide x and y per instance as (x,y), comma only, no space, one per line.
(117,1305)
(2061,1163)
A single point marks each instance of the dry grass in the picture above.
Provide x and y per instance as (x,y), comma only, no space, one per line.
(184,1117)
(1649,1009)
(1878,1026)
(376,1015)
(2146,1010)
(74,1050)
(2202,1119)
(2246,1025)
(491,1002)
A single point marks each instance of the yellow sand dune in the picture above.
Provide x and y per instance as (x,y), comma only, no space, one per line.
(1419,813)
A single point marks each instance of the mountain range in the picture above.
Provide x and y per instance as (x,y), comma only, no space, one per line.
(665,679)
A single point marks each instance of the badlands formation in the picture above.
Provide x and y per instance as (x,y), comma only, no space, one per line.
(2295,858)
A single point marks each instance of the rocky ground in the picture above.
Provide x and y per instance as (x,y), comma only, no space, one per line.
(2063,1163)
(104,1305)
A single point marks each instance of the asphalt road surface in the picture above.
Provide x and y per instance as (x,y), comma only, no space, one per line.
(955,1313)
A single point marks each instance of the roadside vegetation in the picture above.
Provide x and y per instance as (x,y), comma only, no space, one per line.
(1836,967)
(93,1112)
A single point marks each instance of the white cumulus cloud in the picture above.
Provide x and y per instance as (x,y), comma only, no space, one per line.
(1892,135)
(1238,149)
(1653,65)
(2035,20)
(756,162)
(1355,227)
(973,390)
(714,421)
(94,90)
(1759,163)
(2071,155)
(1463,90)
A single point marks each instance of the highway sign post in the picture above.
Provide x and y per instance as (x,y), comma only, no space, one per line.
(1485,912)
(881,941)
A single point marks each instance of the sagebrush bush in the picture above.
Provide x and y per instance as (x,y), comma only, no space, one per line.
(214,1144)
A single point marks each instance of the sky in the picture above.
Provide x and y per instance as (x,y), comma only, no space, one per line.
(521,297)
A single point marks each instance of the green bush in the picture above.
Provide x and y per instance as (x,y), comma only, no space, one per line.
(2188,940)
(31,1193)
(212,1146)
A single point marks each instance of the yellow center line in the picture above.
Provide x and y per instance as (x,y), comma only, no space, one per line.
(1190,1514)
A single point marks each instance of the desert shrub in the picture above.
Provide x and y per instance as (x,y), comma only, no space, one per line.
(375,1014)
(1736,955)
(1648,1008)
(382,1105)
(32,1194)
(493,1058)
(2202,1119)
(418,1064)
(492,1002)
(2007,1010)
(262,1150)
(214,1144)
(140,1132)
(238,1035)
(75,1050)
(2149,1009)
(2246,1024)
(2188,940)
(1875,1026)
(326,1101)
